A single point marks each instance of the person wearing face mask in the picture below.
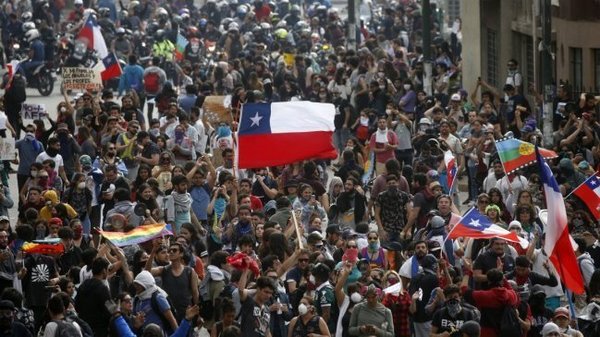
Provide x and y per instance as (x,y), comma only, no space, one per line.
(29,148)
(69,148)
(371,318)
(452,315)
(401,125)
(383,143)
(326,305)
(541,314)
(398,302)
(392,208)
(79,197)
(307,323)
(127,147)
(52,152)
(421,287)
(374,253)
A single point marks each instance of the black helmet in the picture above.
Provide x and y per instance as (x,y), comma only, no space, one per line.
(160,34)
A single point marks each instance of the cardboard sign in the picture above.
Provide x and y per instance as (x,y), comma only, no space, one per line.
(7,149)
(81,79)
(33,111)
(289,59)
(217,109)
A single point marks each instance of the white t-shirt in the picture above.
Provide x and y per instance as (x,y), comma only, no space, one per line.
(58,160)
(3,120)
(50,329)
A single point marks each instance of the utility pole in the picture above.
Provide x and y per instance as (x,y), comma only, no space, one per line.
(547,70)
(427,65)
(351,25)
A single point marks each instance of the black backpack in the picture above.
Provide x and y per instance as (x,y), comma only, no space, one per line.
(17,92)
(509,324)
(65,329)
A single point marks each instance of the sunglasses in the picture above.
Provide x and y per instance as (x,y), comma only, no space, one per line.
(373,239)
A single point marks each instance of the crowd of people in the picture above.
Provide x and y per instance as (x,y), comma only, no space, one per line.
(356,246)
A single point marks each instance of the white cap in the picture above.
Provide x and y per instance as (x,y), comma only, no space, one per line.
(550,328)
(425,120)
(78,2)
(455,97)
(515,224)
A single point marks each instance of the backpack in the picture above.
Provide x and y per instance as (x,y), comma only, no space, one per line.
(509,324)
(86,330)
(16,92)
(210,311)
(65,329)
(156,308)
(152,83)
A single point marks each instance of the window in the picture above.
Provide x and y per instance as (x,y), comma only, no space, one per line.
(492,60)
(576,75)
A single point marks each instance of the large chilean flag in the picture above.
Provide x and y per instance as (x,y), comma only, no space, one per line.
(558,242)
(272,134)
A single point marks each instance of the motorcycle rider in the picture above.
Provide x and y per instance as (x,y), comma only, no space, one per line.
(77,12)
(36,52)
(121,46)
(163,47)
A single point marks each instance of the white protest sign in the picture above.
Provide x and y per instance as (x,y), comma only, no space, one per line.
(7,148)
(81,79)
(33,111)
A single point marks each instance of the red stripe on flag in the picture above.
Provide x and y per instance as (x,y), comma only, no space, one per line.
(565,262)
(590,198)
(284,148)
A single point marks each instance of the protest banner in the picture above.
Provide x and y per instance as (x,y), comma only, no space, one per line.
(81,79)
(217,109)
(33,111)
(7,149)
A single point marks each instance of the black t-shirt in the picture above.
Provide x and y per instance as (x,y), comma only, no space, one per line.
(149,150)
(427,282)
(489,260)
(254,318)
(40,269)
(444,322)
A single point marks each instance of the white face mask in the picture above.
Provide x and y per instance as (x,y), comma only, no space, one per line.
(311,279)
(407,87)
(302,309)
(356,298)
(63,109)
(364,120)
(81,185)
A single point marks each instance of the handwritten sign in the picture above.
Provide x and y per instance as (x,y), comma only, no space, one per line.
(81,79)
(7,149)
(33,111)
(217,109)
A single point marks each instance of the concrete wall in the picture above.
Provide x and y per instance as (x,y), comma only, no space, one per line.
(472,44)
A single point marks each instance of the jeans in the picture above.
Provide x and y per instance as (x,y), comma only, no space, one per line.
(473,188)
(340,137)
(405,157)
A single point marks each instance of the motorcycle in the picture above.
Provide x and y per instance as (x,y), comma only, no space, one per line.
(41,76)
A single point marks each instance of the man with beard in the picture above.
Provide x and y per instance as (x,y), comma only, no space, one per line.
(410,268)
(52,152)
(242,227)
(7,263)
(494,257)
(392,208)
(112,181)
(127,147)
(179,204)
(421,288)
(131,112)
(351,205)
(452,315)
(265,187)
(9,327)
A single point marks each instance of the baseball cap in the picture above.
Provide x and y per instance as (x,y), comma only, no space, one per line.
(7,305)
(333,229)
(55,221)
(425,120)
(433,245)
(515,224)
(470,328)
(61,127)
(550,328)
(4,218)
(455,97)
(562,312)
(85,161)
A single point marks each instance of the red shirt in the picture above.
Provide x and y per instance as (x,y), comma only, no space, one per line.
(262,13)
(399,305)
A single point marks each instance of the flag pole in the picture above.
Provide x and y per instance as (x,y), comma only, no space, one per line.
(585,181)
(298,236)
(236,155)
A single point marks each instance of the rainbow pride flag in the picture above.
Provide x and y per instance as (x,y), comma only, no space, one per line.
(515,154)
(43,248)
(137,235)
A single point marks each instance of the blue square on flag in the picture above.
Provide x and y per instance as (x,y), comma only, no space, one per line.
(256,119)
(109,60)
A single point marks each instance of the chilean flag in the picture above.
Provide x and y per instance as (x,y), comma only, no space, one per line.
(272,134)
(589,193)
(112,68)
(478,226)
(558,243)
(451,168)
(91,32)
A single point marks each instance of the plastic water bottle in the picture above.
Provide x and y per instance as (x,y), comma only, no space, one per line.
(279,311)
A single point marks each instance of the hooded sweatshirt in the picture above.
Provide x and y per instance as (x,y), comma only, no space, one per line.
(46,212)
(491,303)
(143,300)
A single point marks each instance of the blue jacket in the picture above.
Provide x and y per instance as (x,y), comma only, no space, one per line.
(39,54)
(132,78)
(123,329)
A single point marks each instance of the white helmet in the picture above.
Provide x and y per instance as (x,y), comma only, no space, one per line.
(32,34)
(27,26)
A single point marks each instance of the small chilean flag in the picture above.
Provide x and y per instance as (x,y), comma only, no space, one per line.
(589,193)
(112,68)
(478,226)
(451,168)
(91,32)
(272,134)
